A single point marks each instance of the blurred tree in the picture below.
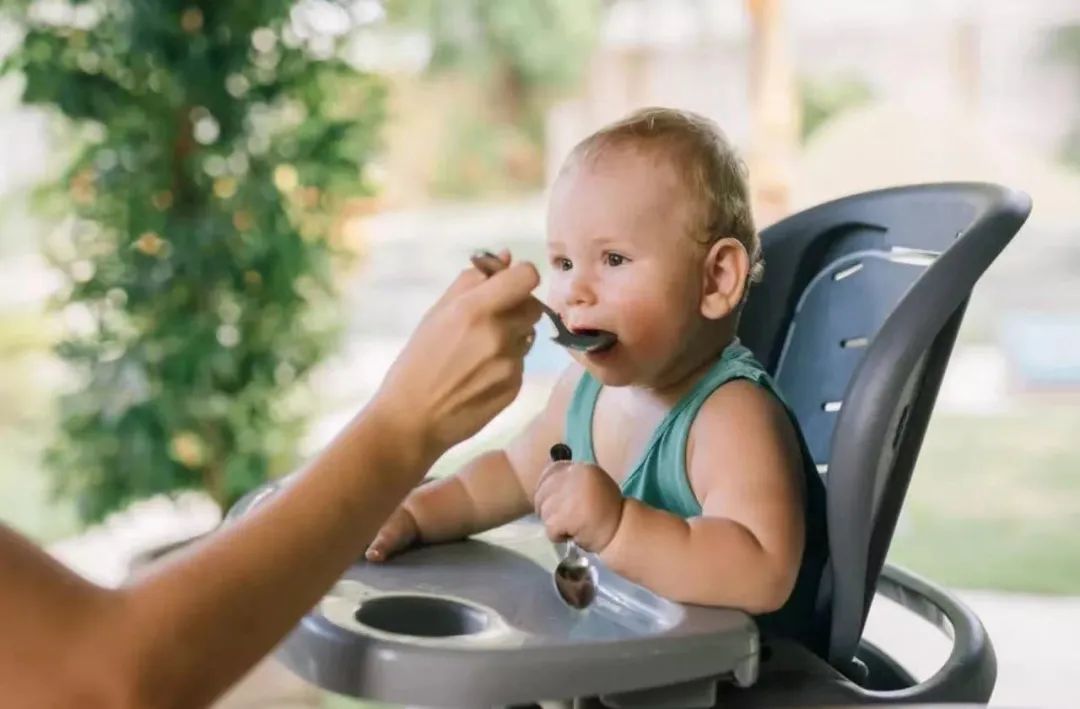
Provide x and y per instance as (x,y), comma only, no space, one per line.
(210,161)
(774,111)
(1065,48)
(524,54)
(823,98)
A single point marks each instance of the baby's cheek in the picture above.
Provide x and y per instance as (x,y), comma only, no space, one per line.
(556,296)
(644,318)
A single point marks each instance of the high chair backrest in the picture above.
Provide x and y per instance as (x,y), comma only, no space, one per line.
(856,319)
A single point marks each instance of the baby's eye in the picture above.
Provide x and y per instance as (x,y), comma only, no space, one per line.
(561,263)
(613,259)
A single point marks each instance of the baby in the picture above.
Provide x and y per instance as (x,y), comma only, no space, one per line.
(691,476)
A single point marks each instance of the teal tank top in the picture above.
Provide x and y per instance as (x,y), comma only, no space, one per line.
(659,479)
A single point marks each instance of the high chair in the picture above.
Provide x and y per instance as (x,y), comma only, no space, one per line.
(863,299)
(856,319)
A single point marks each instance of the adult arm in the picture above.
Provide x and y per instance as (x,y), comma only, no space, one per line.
(183,632)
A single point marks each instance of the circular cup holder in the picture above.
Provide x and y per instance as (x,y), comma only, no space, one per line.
(422,616)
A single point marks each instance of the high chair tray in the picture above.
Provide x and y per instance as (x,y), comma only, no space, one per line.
(479,623)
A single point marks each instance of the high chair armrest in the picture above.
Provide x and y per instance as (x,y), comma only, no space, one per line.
(969,673)
(795,677)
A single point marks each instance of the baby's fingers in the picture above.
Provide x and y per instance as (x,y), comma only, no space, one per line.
(551,509)
(385,545)
(549,483)
(398,533)
(555,528)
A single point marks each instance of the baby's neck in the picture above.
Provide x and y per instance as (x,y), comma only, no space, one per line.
(683,374)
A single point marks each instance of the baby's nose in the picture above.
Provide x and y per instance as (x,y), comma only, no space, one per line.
(581,290)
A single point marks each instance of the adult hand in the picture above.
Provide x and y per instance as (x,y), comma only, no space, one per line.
(464,362)
(181,633)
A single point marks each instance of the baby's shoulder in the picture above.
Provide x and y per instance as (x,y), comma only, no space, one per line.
(738,399)
(739,416)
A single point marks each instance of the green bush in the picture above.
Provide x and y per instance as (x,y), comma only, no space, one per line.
(525,55)
(1064,49)
(210,161)
(824,98)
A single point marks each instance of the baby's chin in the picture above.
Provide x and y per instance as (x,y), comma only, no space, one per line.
(610,380)
(606,374)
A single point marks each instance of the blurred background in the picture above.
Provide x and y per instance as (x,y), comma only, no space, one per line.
(219,221)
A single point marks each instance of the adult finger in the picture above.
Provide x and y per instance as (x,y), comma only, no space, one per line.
(516,340)
(465,281)
(526,314)
(508,289)
(525,343)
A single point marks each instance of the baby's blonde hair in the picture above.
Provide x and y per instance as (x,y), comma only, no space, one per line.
(709,165)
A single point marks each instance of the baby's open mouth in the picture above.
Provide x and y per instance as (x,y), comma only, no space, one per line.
(605,339)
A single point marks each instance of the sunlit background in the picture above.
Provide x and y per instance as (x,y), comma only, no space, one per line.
(195,330)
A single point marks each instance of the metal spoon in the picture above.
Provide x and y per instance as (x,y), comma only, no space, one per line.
(488,264)
(575,577)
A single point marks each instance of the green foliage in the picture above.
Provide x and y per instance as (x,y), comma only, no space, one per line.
(524,54)
(197,255)
(22,333)
(1065,48)
(823,99)
(484,157)
(542,44)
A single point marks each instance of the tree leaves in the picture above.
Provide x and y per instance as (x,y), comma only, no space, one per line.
(194,267)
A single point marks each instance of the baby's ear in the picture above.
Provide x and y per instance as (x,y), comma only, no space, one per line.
(725,270)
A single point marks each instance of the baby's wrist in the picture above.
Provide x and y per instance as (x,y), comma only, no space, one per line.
(416,530)
(611,547)
(413,507)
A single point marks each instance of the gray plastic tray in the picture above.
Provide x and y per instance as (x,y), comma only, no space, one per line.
(479,624)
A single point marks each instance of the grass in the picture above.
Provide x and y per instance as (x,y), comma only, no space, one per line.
(339,701)
(995,502)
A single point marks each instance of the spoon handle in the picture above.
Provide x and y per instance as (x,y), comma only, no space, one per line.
(561,452)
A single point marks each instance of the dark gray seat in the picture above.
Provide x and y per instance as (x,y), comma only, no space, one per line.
(856,320)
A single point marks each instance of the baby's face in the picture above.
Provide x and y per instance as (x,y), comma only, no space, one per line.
(622,260)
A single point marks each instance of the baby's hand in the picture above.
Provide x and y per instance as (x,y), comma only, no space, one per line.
(579,501)
(397,533)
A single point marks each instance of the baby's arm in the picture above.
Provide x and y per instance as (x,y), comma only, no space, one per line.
(492,489)
(744,551)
